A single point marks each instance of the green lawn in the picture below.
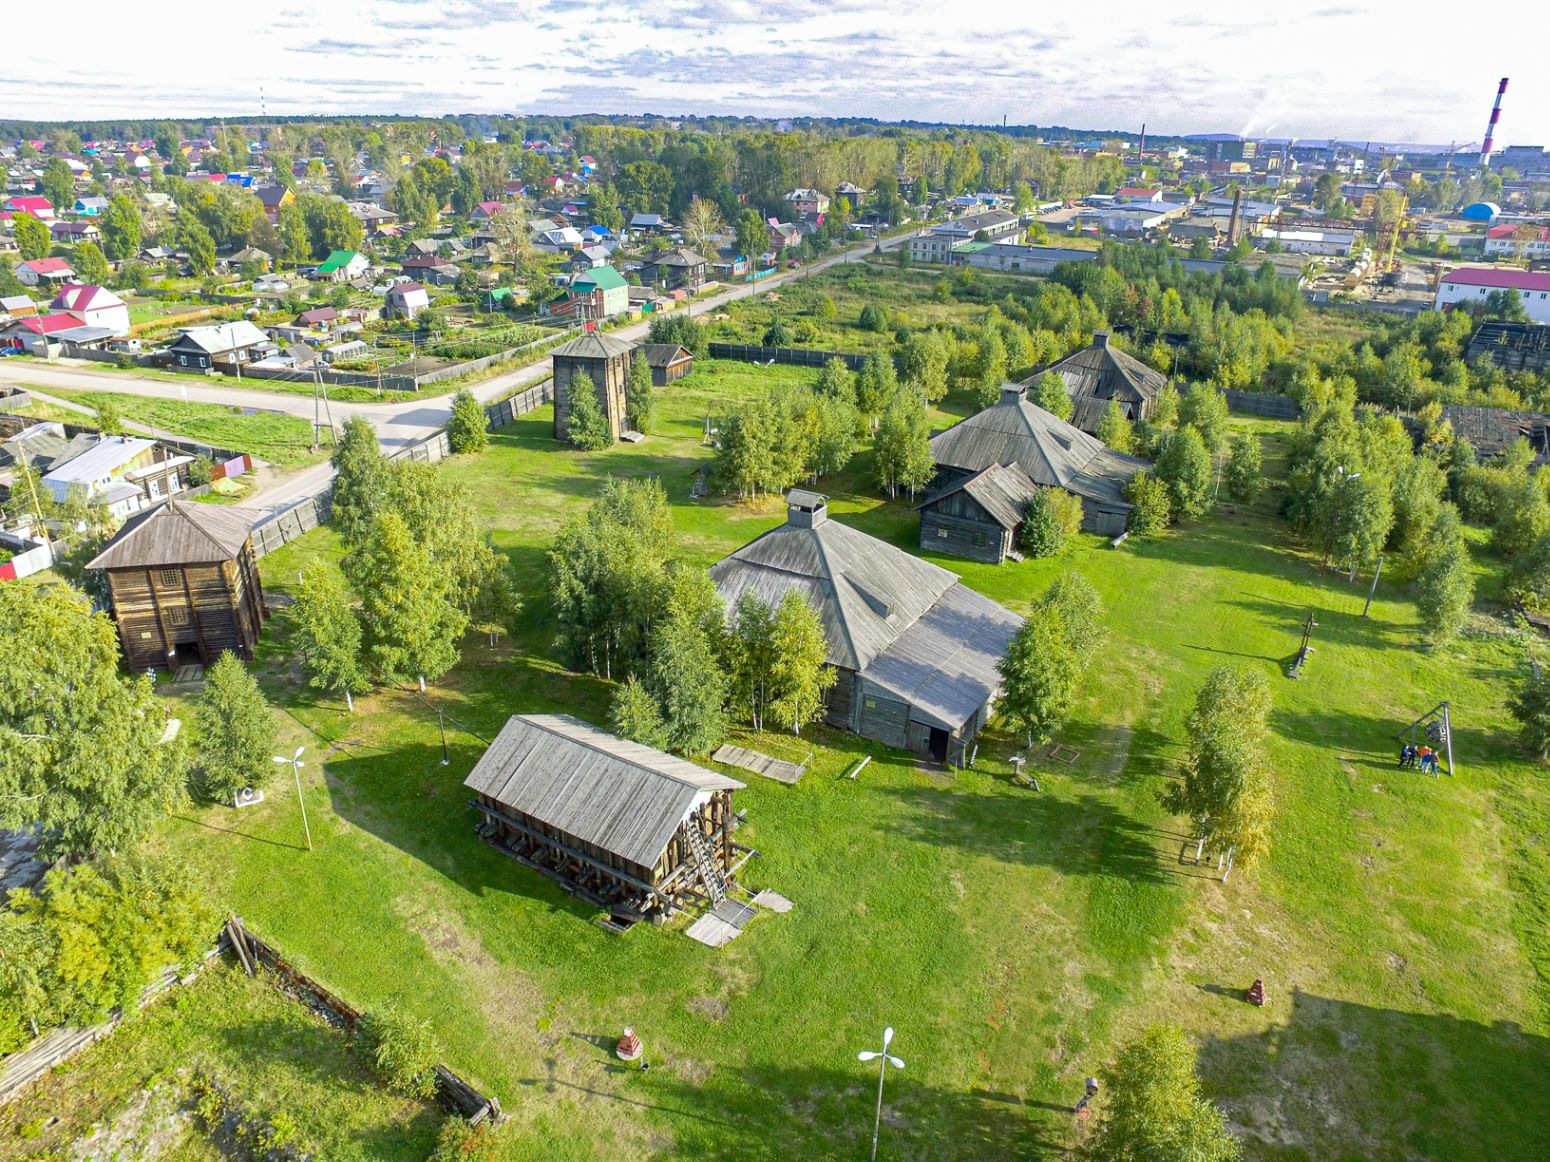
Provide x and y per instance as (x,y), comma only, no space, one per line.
(281,439)
(130,1096)
(1010,936)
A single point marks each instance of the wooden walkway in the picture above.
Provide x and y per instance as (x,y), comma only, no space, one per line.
(760,764)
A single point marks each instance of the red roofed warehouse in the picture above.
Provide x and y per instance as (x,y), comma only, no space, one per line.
(1471,284)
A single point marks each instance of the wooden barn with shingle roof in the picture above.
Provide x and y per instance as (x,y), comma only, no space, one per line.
(978,516)
(622,825)
(183,581)
(915,648)
(1097,374)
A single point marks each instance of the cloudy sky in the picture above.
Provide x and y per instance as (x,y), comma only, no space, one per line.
(1378,69)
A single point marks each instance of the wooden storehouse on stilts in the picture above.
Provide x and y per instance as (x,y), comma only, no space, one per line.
(624,826)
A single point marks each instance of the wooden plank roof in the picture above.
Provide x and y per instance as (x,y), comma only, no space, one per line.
(1050,451)
(665,354)
(593,345)
(866,592)
(177,532)
(621,796)
(1107,373)
(1002,490)
(945,665)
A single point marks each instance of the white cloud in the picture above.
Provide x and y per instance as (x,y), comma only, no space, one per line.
(1354,70)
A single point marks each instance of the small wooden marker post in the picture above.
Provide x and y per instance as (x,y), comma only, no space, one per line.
(1256,994)
(629,1048)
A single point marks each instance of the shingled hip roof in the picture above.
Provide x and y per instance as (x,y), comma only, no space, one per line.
(621,796)
(1050,451)
(177,532)
(593,345)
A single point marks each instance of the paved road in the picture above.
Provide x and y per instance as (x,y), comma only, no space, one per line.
(398,424)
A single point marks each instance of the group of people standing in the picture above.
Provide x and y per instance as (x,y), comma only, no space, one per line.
(1422,757)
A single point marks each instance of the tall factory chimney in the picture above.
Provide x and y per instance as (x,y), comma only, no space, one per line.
(1490,130)
(1141,152)
(1236,221)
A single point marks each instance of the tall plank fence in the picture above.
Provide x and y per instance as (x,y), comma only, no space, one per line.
(796,356)
(1256,403)
(306,514)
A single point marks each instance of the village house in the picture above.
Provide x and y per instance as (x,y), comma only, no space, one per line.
(93,306)
(183,584)
(405,300)
(70,233)
(122,474)
(484,211)
(806,201)
(915,649)
(1100,373)
(668,362)
(375,220)
(44,272)
(679,269)
(1051,454)
(599,293)
(342,266)
(16,307)
(36,205)
(1517,240)
(978,516)
(36,334)
(90,207)
(624,826)
(274,199)
(228,345)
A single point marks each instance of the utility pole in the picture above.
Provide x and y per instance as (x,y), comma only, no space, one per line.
(1376,573)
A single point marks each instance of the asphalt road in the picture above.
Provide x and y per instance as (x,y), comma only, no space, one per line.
(398,424)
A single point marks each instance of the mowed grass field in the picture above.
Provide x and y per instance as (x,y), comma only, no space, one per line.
(1012,937)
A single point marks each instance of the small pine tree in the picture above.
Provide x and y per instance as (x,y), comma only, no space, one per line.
(1040,535)
(1530,708)
(1244,467)
(586,427)
(1039,675)
(777,334)
(1114,429)
(236,730)
(873,318)
(1150,508)
(1049,392)
(638,397)
(468,428)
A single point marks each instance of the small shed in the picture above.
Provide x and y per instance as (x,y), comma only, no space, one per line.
(604,360)
(978,516)
(624,826)
(183,581)
(668,362)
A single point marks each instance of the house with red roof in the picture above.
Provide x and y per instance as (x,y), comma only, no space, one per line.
(1518,240)
(44,272)
(33,335)
(1138,194)
(93,306)
(484,211)
(39,207)
(1472,284)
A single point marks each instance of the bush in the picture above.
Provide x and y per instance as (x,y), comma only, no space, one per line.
(199,472)
(461,1142)
(1040,534)
(402,1050)
(1151,511)
(873,318)
(468,429)
(1068,511)
(1243,470)
(777,334)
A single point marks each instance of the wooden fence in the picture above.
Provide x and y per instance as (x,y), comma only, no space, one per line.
(455,1095)
(504,411)
(797,356)
(1255,403)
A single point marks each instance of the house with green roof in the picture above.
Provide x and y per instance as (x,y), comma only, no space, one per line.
(342,266)
(599,293)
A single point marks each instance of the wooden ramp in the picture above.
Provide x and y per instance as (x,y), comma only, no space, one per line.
(760,764)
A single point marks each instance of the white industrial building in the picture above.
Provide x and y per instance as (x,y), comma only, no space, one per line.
(1471,284)
(1293,240)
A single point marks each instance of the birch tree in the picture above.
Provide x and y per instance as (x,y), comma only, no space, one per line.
(328,634)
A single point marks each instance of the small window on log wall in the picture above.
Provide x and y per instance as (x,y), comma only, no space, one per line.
(167,577)
(178,616)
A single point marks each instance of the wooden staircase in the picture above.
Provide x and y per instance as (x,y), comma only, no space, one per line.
(710,872)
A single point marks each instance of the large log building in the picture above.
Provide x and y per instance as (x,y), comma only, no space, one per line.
(183,580)
(916,649)
(624,826)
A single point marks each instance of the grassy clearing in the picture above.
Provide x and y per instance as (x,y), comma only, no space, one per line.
(129,1096)
(281,439)
(1010,936)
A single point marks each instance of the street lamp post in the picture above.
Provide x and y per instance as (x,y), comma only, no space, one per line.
(296,764)
(884,1060)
